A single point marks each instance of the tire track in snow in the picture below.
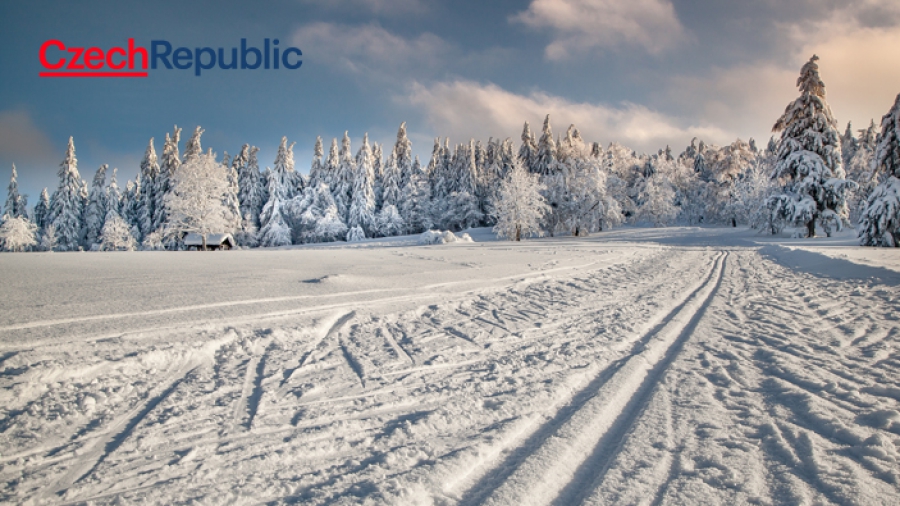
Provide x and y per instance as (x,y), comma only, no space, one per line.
(571,451)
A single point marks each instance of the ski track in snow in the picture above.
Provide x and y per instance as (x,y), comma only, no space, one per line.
(649,375)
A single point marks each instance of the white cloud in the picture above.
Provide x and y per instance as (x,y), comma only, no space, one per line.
(369,49)
(21,139)
(580,25)
(463,109)
(392,7)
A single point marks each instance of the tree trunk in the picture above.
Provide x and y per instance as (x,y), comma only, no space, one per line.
(518,232)
(811,228)
(204,241)
(733,223)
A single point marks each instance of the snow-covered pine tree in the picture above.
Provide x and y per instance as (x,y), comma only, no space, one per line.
(275,232)
(116,234)
(284,169)
(193,149)
(849,144)
(196,201)
(378,169)
(42,211)
(391,184)
(67,204)
(149,176)
(95,213)
(129,210)
(317,170)
(170,163)
(342,190)
(356,234)
(231,195)
(809,157)
(415,206)
(114,194)
(332,163)
(403,153)
(389,223)
(528,151)
(545,162)
(880,221)
(16,205)
(519,205)
(271,217)
(656,199)
(362,207)
(17,233)
(251,192)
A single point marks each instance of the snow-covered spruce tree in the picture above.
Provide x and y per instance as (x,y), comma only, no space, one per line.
(148,200)
(231,196)
(275,232)
(67,204)
(95,213)
(330,227)
(170,163)
(849,145)
(116,234)
(272,211)
(528,151)
(519,205)
(342,189)
(17,233)
(251,190)
(389,223)
(378,170)
(193,149)
(545,159)
(314,217)
(114,194)
(332,163)
(880,221)
(196,201)
(656,199)
(42,211)
(356,234)
(861,169)
(317,170)
(362,206)
(16,205)
(391,183)
(809,157)
(462,210)
(284,168)
(415,206)
(403,153)
(130,204)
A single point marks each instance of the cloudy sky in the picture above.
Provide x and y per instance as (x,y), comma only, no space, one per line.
(645,73)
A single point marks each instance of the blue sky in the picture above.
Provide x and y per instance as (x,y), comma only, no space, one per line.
(645,73)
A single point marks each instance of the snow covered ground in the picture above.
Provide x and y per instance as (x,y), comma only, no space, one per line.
(637,366)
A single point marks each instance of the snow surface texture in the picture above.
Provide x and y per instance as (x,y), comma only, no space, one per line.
(639,366)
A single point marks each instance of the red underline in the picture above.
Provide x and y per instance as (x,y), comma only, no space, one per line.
(93,74)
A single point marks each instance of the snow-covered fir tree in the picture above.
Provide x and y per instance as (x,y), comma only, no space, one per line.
(809,157)
(391,183)
(16,204)
(656,201)
(356,234)
(196,201)
(545,161)
(251,191)
(332,163)
(275,232)
(342,189)
(403,153)
(528,150)
(67,204)
(170,163)
(113,193)
(116,234)
(849,145)
(314,216)
(520,205)
(362,206)
(17,233)
(317,170)
(415,205)
(95,213)
(192,149)
(880,221)
(378,169)
(284,169)
(271,217)
(148,198)
(231,195)
(42,211)
(388,222)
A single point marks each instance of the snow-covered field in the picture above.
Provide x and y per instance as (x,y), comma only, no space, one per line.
(638,366)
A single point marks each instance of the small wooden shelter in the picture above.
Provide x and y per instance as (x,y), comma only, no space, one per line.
(194,241)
